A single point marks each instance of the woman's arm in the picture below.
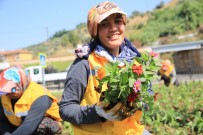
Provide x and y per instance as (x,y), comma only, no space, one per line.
(75,86)
(34,117)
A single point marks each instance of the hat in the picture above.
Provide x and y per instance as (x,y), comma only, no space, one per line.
(165,64)
(99,13)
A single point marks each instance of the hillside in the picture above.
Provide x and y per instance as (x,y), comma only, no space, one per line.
(163,25)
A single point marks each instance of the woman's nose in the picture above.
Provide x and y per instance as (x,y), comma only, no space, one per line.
(113,26)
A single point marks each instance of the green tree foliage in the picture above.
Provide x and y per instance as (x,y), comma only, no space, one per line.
(187,15)
(190,12)
(64,40)
(81,25)
(136,13)
(59,33)
(160,5)
(73,38)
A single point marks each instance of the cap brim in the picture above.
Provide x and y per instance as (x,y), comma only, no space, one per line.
(3,93)
(113,11)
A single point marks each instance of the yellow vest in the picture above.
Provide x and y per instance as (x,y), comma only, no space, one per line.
(22,106)
(167,72)
(129,126)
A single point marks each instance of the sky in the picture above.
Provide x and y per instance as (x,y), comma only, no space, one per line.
(28,22)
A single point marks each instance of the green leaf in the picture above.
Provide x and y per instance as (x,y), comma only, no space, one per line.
(124,78)
(142,79)
(148,72)
(131,82)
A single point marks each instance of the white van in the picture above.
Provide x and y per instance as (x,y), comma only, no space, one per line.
(35,73)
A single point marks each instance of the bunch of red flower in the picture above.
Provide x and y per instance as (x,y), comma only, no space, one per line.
(129,82)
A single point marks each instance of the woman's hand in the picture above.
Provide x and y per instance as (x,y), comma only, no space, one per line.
(118,111)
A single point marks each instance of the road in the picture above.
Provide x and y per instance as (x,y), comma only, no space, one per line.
(190,77)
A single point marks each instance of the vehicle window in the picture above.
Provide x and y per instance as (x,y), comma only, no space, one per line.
(36,71)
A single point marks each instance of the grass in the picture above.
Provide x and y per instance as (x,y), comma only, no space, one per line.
(58,65)
(61,65)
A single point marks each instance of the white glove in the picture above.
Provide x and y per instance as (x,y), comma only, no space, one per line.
(117,112)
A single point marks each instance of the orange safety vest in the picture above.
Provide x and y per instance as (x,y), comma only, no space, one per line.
(129,126)
(23,105)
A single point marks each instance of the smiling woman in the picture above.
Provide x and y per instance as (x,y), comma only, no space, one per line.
(80,103)
(111,32)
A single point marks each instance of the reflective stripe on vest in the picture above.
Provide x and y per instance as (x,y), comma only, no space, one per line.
(21,114)
(7,112)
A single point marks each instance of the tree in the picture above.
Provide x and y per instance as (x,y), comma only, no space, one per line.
(59,33)
(73,38)
(160,5)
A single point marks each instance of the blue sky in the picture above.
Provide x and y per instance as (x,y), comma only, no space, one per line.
(28,22)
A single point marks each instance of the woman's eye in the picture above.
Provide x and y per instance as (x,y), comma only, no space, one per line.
(104,25)
(118,21)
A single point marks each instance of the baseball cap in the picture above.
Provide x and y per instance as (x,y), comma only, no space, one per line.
(99,13)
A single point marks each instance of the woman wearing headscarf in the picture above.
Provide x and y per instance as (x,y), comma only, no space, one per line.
(80,104)
(26,108)
(168,73)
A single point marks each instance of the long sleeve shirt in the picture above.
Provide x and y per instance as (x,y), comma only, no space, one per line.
(75,86)
(30,122)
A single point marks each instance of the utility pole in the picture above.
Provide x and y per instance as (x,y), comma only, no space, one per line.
(47,32)
(47,42)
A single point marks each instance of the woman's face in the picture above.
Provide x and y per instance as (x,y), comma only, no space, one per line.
(111,33)
(15,95)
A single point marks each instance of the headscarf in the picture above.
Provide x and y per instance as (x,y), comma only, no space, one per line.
(13,77)
(128,51)
(165,64)
(99,13)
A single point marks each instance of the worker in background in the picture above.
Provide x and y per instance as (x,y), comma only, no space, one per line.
(26,108)
(168,73)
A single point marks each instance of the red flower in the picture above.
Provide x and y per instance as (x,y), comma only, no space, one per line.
(137,69)
(132,96)
(153,54)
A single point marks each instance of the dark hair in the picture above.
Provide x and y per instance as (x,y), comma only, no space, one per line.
(93,42)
